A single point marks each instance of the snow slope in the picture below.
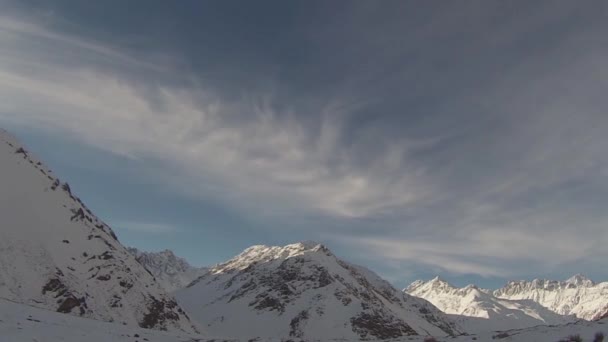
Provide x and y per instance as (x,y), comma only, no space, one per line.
(171,272)
(492,313)
(19,322)
(576,296)
(303,291)
(56,254)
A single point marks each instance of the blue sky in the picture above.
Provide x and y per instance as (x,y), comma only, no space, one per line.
(461,139)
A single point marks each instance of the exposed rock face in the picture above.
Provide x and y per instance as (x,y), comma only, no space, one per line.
(578,295)
(171,272)
(56,254)
(302,290)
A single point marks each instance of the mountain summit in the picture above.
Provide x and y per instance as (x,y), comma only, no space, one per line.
(303,290)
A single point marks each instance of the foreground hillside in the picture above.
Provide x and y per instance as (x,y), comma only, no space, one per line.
(304,291)
(56,254)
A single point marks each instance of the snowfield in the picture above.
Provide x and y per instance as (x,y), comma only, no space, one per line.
(22,323)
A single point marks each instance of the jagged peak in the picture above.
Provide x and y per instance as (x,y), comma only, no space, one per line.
(264,253)
(164,252)
(472,286)
(435,283)
(296,245)
(580,280)
(437,279)
(290,249)
(575,280)
(167,252)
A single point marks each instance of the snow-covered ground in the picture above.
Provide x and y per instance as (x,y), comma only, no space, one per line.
(23,323)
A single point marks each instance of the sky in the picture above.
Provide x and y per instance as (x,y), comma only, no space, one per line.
(462,139)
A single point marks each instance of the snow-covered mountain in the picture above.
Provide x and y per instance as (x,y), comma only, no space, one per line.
(303,291)
(576,296)
(56,254)
(496,313)
(171,272)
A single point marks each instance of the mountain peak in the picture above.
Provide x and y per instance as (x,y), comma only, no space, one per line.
(170,271)
(438,279)
(580,280)
(439,282)
(435,284)
(302,288)
(264,253)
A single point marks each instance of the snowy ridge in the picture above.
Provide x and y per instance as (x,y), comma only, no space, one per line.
(303,291)
(578,295)
(496,313)
(170,271)
(56,254)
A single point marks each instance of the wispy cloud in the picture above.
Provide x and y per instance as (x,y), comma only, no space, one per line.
(476,148)
(250,147)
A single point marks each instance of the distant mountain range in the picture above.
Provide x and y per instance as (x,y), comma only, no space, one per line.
(578,295)
(170,271)
(495,313)
(519,303)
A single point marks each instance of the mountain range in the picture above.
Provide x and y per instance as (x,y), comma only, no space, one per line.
(577,296)
(478,309)
(519,303)
(65,275)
